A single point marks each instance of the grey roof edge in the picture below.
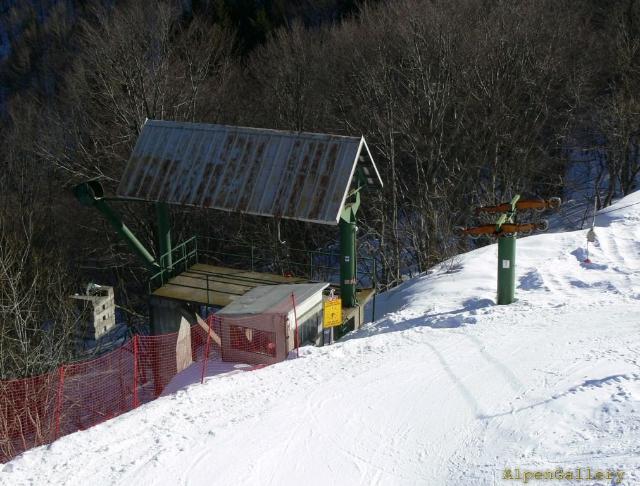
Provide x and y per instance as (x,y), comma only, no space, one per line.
(363,144)
(353,171)
(251,213)
(372,161)
(212,126)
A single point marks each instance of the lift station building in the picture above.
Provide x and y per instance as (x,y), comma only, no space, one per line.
(311,177)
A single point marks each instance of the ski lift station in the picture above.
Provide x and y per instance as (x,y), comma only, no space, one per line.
(309,177)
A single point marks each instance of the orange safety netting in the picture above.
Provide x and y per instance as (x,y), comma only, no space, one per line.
(38,410)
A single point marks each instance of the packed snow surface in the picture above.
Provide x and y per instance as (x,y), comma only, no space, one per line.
(444,388)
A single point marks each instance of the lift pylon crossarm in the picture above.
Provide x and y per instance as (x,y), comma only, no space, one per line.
(522,205)
(486,229)
(505,228)
(525,227)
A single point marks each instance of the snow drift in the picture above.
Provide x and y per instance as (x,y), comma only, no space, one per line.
(445,388)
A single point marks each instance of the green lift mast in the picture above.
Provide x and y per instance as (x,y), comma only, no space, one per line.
(507,256)
(506,229)
(348,259)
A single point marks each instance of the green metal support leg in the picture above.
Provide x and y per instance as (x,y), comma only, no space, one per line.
(91,194)
(348,263)
(164,235)
(126,234)
(348,277)
(506,269)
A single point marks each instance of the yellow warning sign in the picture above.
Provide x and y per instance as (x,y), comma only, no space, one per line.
(332,313)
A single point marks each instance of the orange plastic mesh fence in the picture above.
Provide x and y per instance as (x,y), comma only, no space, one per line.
(96,390)
(27,411)
(254,340)
(38,410)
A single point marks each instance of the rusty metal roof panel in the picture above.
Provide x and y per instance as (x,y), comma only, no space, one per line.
(295,175)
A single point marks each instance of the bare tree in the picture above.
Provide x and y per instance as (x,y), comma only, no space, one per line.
(136,62)
(618,114)
(38,323)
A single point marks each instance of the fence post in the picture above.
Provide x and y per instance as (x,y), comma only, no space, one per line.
(206,349)
(295,316)
(59,400)
(136,403)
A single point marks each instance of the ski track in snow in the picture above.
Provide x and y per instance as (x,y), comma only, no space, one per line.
(445,388)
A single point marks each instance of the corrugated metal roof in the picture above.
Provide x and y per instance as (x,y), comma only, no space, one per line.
(295,175)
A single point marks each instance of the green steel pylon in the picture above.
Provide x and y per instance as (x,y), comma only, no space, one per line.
(506,230)
(507,257)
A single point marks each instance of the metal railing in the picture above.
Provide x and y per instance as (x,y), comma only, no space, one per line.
(182,257)
(311,265)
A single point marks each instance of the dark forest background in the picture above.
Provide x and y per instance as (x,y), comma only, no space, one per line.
(464,102)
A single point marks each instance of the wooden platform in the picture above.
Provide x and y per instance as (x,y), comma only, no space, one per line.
(217,286)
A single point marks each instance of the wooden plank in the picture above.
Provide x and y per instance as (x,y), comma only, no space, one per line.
(211,332)
(219,286)
(242,275)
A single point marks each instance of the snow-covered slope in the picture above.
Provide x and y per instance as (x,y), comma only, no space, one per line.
(446,388)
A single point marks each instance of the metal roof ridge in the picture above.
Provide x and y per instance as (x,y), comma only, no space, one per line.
(211,126)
